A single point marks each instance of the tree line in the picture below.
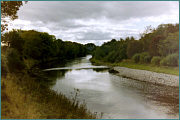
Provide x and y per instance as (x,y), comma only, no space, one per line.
(158,46)
(33,45)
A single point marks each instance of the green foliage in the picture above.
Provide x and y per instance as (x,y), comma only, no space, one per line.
(98,54)
(10,8)
(112,57)
(16,41)
(149,67)
(153,41)
(122,50)
(156,60)
(36,45)
(146,40)
(153,48)
(112,51)
(170,60)
(133,48)
(170,45)
(164,62)
(136,57)
(90,47)
(9,11)
(145,57)
(14,63)
(4,69)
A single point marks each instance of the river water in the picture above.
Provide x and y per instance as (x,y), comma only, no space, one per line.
(112,95)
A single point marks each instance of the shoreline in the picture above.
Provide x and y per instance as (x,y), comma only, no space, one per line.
(29,99)
(148,76)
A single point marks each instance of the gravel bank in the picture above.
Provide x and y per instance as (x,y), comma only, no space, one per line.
(144,75)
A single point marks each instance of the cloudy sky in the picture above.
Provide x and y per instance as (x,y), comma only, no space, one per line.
(95,21)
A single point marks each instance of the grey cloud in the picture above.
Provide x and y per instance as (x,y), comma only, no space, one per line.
(56,11)
(96,35)
(109,19)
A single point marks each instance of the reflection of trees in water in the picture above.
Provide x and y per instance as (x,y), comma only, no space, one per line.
(100,69)
(60,63)
(160,94)
(54,75)
(53,64)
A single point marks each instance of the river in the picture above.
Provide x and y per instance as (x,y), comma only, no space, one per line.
(112,95)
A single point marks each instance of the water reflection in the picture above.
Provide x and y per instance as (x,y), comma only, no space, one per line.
(115,96)
(100,69)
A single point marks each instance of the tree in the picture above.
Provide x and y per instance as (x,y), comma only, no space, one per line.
(127,39)
(38,45)
(132,38)
(9,12)
(133,48)
(147,30)
(122,51)
(14,63)
(153,48)
(169,45)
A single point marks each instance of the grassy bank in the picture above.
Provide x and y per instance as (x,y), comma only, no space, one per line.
(24,98)
(149,67)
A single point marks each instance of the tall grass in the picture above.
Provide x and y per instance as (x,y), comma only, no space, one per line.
(15,104)
(23,97)
(28,99)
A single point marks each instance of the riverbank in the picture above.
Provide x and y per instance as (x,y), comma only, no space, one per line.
(23,97)
(145,72)
(148,67)
(148,76)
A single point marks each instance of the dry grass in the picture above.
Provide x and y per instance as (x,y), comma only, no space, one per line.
(15,103)
(28,99)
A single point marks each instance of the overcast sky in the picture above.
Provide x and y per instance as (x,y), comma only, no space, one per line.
(95,21)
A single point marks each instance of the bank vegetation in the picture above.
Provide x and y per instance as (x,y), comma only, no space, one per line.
(22,94)
(156,50)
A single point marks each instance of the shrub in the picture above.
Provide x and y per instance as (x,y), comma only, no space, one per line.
(142,57)
(112,56)
(14,63)
(156,60)
(170,60)
(163,62)
(147,59)
(136,58)
(4,69)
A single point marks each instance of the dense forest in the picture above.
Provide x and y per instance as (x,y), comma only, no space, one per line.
(26,46)
(158,46)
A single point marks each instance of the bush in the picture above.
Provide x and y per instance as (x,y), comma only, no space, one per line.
(4,69)
(156,60)
(112,57)
(142,57)
(14,63)
(147,59)
(136,58)
(170,60)
(163,62)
